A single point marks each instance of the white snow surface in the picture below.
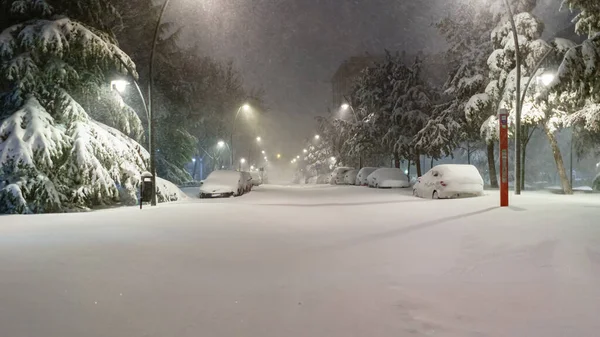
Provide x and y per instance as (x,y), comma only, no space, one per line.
(307,261)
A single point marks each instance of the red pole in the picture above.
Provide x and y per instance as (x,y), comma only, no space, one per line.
(503,124)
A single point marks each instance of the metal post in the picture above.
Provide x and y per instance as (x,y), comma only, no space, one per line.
(503,118)
(152,133)
(232,131)
(518,103)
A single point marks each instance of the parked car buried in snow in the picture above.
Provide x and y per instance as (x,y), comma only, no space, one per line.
(363,174)
(247,181)
(222,183)
(388,178)
(449,181)
(350,177)
(256,178)
(338,174)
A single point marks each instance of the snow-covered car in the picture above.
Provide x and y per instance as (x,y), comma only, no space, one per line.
(449,181)
(247,181)
(256,178)
(388,178)
(222,183)
(350,177)
(363,174)
(338,174)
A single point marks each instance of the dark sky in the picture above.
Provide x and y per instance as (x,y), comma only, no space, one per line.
(291,48)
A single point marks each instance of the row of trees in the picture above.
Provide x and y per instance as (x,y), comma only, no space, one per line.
(401,115)
(67,139)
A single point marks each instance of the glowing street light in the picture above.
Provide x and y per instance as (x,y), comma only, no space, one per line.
(221,143)
(119,85)
(546,79)
(345,106)
(305,150)
(243,160)
(252,167)
(317,137)
(297,157)
(279,156)
(332,158)
(263,151)
(258,139)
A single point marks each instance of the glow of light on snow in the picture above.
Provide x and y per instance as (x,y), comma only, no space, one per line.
(243,160)
(221,143)
(119,85)
(546,79)
(345,106)
(317,136)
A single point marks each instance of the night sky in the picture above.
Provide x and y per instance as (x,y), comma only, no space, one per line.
(291,48)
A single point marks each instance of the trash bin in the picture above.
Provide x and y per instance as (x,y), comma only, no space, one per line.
(146,188)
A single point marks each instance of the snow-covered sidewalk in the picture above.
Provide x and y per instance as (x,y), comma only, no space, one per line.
(307,261)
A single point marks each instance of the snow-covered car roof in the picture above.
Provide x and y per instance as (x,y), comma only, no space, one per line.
(388,173)
(223,177)
(457,170)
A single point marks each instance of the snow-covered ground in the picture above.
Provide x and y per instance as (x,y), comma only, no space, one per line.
(307,261)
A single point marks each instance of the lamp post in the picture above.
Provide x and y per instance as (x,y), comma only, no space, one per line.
(244,107)
(347,106)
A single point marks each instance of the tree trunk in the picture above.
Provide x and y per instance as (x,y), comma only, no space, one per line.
(195,168)
(492,165)
(523,151)
(396,160)
(560,166)
(468,153)
(408,168)
(418,161)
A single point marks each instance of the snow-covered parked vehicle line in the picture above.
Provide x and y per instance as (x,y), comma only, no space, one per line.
(350,177)
(388,178)
(449,181)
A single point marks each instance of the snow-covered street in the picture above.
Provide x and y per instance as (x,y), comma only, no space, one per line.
(307,261)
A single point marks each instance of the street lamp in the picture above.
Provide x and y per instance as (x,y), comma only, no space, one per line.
(258,139)
(279,156)
(245,108)
(221,143)
(263,151)
(305,150)
(347,106)
(317,137)
(332,159)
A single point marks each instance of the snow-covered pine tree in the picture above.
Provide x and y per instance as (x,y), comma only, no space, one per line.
(500,91)
(413,101)
(57,157)
(468,35)
(579,73)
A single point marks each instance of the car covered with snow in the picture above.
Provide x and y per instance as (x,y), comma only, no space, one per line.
(449,181)
(247,181)
(388,178)
(363,174)
(350,177)
(222,183)
(256,178)
(338,175)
